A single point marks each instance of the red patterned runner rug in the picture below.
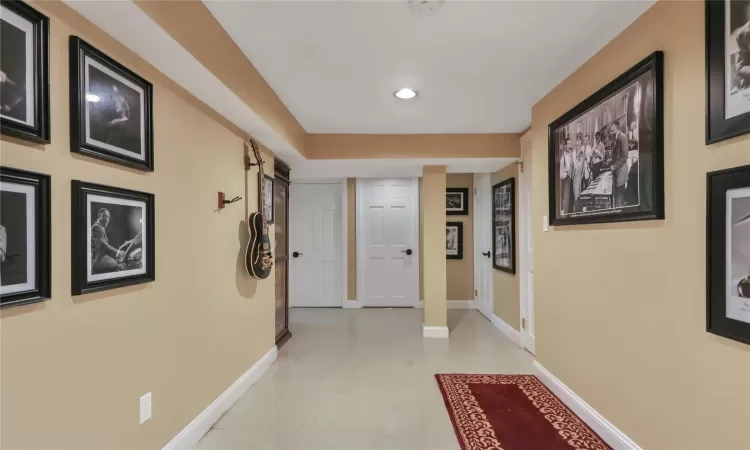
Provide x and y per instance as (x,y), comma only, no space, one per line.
(512,412)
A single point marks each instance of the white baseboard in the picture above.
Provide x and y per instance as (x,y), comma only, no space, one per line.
(351,304)
(198,427)
(604,428)
(435,332)
(506,329)
(454,304)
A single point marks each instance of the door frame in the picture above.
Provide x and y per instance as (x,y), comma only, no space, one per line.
(487,309)
(526,341)
(360,244)
(343,251)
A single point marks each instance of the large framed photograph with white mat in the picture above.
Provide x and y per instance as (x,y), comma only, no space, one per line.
(504,226)
(111,109)
(112,237)
(24,72)
(728,265)
(24,237)
(727,69)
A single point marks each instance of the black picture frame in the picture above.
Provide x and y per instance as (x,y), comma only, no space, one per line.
(81,241)
(268,216)
(463,210)
(40,183)
(40,131)
(459,240)
(649,188)
(718,284)
(80,50)
(507,187)
(718,126)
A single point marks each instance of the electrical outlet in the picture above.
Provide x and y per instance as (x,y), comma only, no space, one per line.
(145,407)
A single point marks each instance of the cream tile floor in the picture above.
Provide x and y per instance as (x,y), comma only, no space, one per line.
(360,379)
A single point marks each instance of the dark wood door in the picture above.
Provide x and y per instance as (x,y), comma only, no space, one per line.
(281,222)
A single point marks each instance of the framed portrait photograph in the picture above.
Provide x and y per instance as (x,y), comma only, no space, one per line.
(111,109)
(24,237)
(266,201)
(727,69)
(728,265)
(112,237)
(24,72)
(504,226)
(606,155)
(454,240)
(457,201)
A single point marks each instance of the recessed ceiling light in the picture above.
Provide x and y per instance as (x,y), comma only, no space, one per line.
(93,98)
(405,93)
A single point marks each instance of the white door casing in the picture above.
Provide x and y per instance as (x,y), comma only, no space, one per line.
(387,228)
(315,233)
(483,283)
(526,254)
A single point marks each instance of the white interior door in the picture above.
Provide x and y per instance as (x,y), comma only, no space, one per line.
(526,254)
(483,285)
(388,242)
(315,235)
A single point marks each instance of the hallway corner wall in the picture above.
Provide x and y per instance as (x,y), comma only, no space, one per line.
(506,286)
(460,272)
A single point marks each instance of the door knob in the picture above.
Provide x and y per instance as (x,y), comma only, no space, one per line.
(296,254)
(407,251)
(487,254)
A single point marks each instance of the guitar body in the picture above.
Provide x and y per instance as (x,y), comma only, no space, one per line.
(258,257)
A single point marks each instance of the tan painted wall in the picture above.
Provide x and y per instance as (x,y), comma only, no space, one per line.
(460,272)
(620,308)
(73,368)
(351,238)
(434,262)
(506,286)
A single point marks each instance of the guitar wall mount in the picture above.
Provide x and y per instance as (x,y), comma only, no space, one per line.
(223,201)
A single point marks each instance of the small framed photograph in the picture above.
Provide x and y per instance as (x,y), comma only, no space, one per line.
(457,201)
(728,265)
(111,109)
(504,226)
(112,237)
(24,237)
(606,155)
(727,69)
(267,198)
(454,240)
(24,72)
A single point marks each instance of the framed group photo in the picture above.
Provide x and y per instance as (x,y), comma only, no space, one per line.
(112,237)
(111,109)
(607,154)
(454,240)
(728,265)
(24,237)
(504,226)
(457,201)
(24,72)
(727,69)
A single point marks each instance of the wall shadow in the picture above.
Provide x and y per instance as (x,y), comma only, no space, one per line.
(247,286)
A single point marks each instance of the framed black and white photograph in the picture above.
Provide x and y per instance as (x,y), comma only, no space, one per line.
(606,155)
(504,226)
(267,200)
(727,69)
(111,109)
(24,237)
(112,237)
(24,72)
(454,240)
(457,201)
(728,268)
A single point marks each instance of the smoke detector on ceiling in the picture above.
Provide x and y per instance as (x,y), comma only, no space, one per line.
(426,8)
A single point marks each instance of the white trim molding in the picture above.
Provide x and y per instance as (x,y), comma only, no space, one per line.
(435,332)
(454,304)
(198,427)
(506,329)
(351,304)
(603,427)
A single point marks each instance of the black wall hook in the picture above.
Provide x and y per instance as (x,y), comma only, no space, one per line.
(223,202)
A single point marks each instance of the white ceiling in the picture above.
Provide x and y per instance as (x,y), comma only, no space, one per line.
(479,66)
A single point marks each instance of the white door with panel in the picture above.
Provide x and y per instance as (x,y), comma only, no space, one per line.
(315,235)
(526,253)
(483,285)
(388,242)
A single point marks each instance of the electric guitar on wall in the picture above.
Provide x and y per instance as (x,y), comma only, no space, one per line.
(258,257)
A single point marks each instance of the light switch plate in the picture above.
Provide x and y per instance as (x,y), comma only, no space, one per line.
(145,407)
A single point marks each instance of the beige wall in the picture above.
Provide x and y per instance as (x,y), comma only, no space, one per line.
(73,368)
(506,286)
(460,272)
(433,230)
(620,308)
(351,238)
